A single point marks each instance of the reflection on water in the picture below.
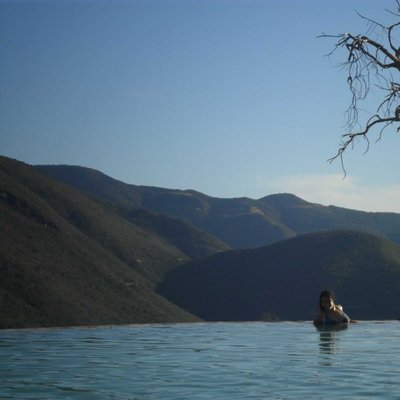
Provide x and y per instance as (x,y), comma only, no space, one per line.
(327,337)
(329,342)
(201,361)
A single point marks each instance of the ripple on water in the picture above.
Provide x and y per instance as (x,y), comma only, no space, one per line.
(201,361)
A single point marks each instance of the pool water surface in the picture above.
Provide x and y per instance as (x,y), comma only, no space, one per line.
(256,360)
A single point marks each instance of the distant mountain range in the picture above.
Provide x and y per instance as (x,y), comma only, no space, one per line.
(239,222)
(78,247)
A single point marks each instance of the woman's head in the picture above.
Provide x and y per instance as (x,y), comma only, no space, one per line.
(326,300)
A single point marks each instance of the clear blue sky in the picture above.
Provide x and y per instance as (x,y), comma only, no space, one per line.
(231,98)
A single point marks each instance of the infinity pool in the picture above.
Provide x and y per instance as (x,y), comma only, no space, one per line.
(202,361)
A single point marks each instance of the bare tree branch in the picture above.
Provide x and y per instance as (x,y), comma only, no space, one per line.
(370,61)
(350,137)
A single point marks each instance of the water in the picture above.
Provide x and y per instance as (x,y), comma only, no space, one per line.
(202,361)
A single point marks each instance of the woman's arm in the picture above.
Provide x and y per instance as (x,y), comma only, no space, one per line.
(341,314)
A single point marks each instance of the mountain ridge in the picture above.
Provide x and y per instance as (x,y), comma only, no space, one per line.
(70,257)
(67,260)
(239,222)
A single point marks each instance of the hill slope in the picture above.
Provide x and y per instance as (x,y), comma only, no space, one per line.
(239,222)
(283,280)
(193,242)
(67,260)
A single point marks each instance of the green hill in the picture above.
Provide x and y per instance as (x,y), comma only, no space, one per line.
(68,260)
(239,222)
(283,280)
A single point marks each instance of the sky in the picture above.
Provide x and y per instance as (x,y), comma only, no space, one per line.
(232,98)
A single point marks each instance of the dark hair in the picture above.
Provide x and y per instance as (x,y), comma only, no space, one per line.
(326,293)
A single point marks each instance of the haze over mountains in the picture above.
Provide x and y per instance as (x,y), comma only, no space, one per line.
(79,247)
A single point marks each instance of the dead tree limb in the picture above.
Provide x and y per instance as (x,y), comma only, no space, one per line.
(372,59)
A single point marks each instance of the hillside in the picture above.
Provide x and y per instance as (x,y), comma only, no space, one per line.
(283,280)
(67,260)
(193,242)
(239,222)
(303,217)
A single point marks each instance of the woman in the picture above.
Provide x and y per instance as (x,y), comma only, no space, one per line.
(330,313)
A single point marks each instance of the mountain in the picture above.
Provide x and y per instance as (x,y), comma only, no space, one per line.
(66,259)
(104,254)
(239,222)
(283,280)
(193,242)
(303,217)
